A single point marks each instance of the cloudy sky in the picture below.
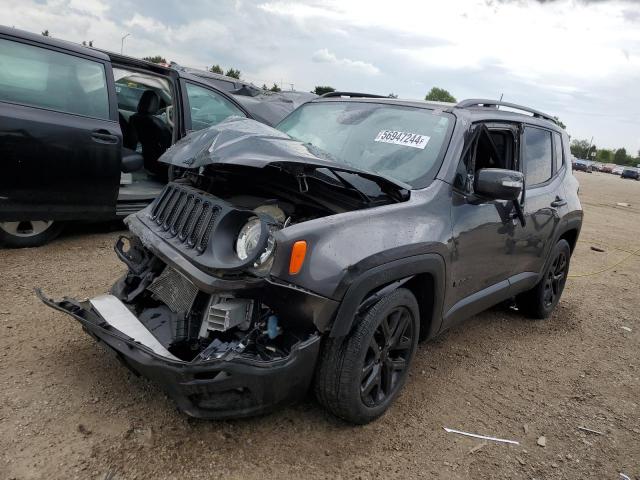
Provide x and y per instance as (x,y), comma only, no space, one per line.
(578,59)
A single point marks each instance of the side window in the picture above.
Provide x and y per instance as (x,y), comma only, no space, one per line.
(45,78)
(208,108)
(537,155)
(492,147)
(557,145)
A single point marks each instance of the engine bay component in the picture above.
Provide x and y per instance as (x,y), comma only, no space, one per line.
(174,290)
(225,313)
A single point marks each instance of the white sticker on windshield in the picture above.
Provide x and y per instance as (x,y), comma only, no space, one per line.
(407,139)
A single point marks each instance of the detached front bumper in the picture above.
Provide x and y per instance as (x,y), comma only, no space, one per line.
(236,385)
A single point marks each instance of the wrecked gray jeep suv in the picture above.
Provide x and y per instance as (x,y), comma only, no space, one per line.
(322,251)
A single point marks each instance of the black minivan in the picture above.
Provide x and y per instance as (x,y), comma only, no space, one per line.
(81,131)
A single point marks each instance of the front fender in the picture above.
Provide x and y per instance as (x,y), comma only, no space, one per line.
(381,275)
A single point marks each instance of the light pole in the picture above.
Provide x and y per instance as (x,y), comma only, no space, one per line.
(122,43)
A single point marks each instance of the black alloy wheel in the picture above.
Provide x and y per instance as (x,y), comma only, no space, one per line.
(555,280)
(387,357)
(360,375)
(540,301)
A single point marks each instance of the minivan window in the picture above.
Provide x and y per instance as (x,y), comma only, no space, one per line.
(208,108)
(45,78)
(537,155)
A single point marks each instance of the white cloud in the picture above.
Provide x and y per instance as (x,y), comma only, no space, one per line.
(148,24)
(325,56)
(576,59)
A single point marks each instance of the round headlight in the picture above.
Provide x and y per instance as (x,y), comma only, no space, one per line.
(249,239)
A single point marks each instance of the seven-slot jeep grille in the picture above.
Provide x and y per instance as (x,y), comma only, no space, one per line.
(186,214)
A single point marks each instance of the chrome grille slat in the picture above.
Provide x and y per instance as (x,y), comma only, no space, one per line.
(193,216)
(187,214)
(171,209)
(204,239)
(195,231)
(161,202)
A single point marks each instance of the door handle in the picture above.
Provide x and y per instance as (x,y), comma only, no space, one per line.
(558,202)
(104,136)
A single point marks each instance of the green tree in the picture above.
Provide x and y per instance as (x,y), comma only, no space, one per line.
(560,123)
(45,33)
(604,155)
(264,86)
(579,148)
(275,88)
(155,59)
(620,157)
(321,90)
(437,94)
(234,73)
(216,69)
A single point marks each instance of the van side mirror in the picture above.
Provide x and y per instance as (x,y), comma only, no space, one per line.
(499,183)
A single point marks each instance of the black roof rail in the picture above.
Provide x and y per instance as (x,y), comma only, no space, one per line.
(483,102)
(352,94)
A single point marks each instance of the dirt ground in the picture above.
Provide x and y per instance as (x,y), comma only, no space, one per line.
(69,410)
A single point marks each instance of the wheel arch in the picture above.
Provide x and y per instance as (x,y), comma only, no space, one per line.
(571,236)
(423,275)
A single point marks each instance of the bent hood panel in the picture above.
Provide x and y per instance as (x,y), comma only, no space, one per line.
(246,142)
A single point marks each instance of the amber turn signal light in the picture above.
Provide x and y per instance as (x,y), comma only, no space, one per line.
(298,252)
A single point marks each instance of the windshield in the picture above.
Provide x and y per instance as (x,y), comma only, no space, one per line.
(403,143)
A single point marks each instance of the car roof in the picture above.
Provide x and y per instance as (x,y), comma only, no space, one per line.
(53,42)
(475,109)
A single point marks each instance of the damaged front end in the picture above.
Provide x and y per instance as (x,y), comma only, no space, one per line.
(208,307)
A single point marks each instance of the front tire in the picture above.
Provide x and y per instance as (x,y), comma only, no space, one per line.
(540,301)
(28,233)
(360,375)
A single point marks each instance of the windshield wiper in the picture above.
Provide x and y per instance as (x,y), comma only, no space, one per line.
(350,185)
(397,192)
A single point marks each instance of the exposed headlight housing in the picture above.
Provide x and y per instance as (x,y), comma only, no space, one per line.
(249,240)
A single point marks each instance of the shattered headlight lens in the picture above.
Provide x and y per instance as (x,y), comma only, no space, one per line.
(249,239)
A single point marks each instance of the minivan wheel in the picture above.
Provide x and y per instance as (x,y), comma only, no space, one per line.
(28,233)
(540,301)
(360,375)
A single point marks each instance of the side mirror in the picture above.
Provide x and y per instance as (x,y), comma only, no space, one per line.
(499,183)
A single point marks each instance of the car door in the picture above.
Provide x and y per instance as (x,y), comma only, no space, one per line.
(59,136)
(544,202)
(205,107)
(483,233)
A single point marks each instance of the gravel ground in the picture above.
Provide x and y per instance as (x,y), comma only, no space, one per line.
(69,410)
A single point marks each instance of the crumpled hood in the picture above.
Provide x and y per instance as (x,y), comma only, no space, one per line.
(246,142)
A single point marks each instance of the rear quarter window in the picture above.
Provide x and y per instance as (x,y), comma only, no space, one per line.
(537,155)
(45,78)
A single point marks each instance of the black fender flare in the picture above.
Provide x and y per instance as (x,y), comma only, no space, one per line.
(574,222)
(385,274)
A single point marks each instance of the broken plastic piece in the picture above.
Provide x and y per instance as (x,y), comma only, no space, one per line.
(585,429)
(114,312)
(484,437)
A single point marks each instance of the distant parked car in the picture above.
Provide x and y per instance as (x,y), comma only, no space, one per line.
(597,166)
(617,170)
(608,168)
(582,166)
(630,172)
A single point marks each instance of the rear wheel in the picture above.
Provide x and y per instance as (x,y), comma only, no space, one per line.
(360,375)
(28,233)
(540,301)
